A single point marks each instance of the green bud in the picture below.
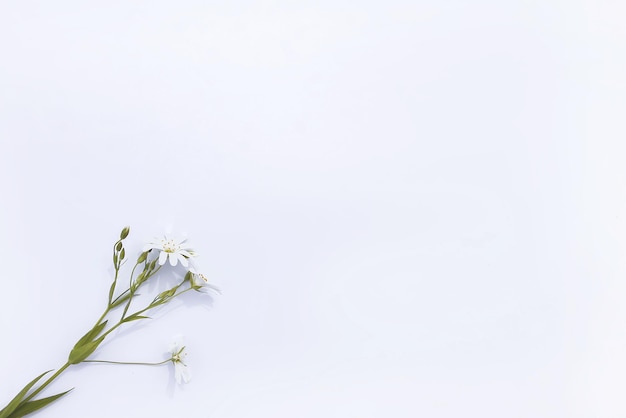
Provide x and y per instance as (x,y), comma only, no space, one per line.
(115,259)
(167,294)
(142,257)
(118,246)
(122,254)
(188,276)
(125,232)
(141,278)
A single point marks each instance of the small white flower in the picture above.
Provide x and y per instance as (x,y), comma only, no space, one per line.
(174,249)
(181,371)
(200,282)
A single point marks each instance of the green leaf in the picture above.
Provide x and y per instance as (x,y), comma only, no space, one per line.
(121,299)
(81,352)
(166,294)
(15,402)
(112,289)
(93,333)
(32,406)
(135,318)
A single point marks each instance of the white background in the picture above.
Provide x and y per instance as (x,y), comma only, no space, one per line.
(413,208)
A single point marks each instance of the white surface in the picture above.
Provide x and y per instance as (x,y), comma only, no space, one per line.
(413,208)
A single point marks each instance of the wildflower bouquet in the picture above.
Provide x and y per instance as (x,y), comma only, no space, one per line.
(154,257)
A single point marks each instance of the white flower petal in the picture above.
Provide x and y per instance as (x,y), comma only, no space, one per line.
(162,257)
(177,373)
(173,259)
(186,373)
(181,373)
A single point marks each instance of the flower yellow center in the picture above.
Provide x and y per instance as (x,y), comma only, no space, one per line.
(170,247)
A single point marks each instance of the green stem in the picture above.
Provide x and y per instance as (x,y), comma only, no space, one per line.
(139,312)
(47,382)
(106,311)
(132,291)
(112,329)
(117,266)
(132,273)
(127,362)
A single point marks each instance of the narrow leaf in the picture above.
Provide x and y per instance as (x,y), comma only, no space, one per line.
(15,402)
(112,290)
(121,299)
(32,406)
(135,318)
(80,353)
(93,333)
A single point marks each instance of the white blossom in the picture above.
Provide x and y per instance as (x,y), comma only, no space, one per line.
(174,249)
(200,282)
(181,370)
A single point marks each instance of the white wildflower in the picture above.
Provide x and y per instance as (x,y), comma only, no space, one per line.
(181,371)
(174,249)
(200,282)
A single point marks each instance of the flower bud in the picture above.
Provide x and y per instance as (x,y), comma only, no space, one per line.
(118,246)
(125,232)
(141,278)
(123,254)
(164,296)
(142,257)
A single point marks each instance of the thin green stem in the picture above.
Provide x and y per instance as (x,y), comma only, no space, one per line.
(121,295)
(132,293)
(127,362)
(117,264)
(47,382)
(106,311)
(133,290)
(132,273)
(139,312)
(113,328)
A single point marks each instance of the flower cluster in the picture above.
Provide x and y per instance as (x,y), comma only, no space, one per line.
(177,250)
(154,257)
